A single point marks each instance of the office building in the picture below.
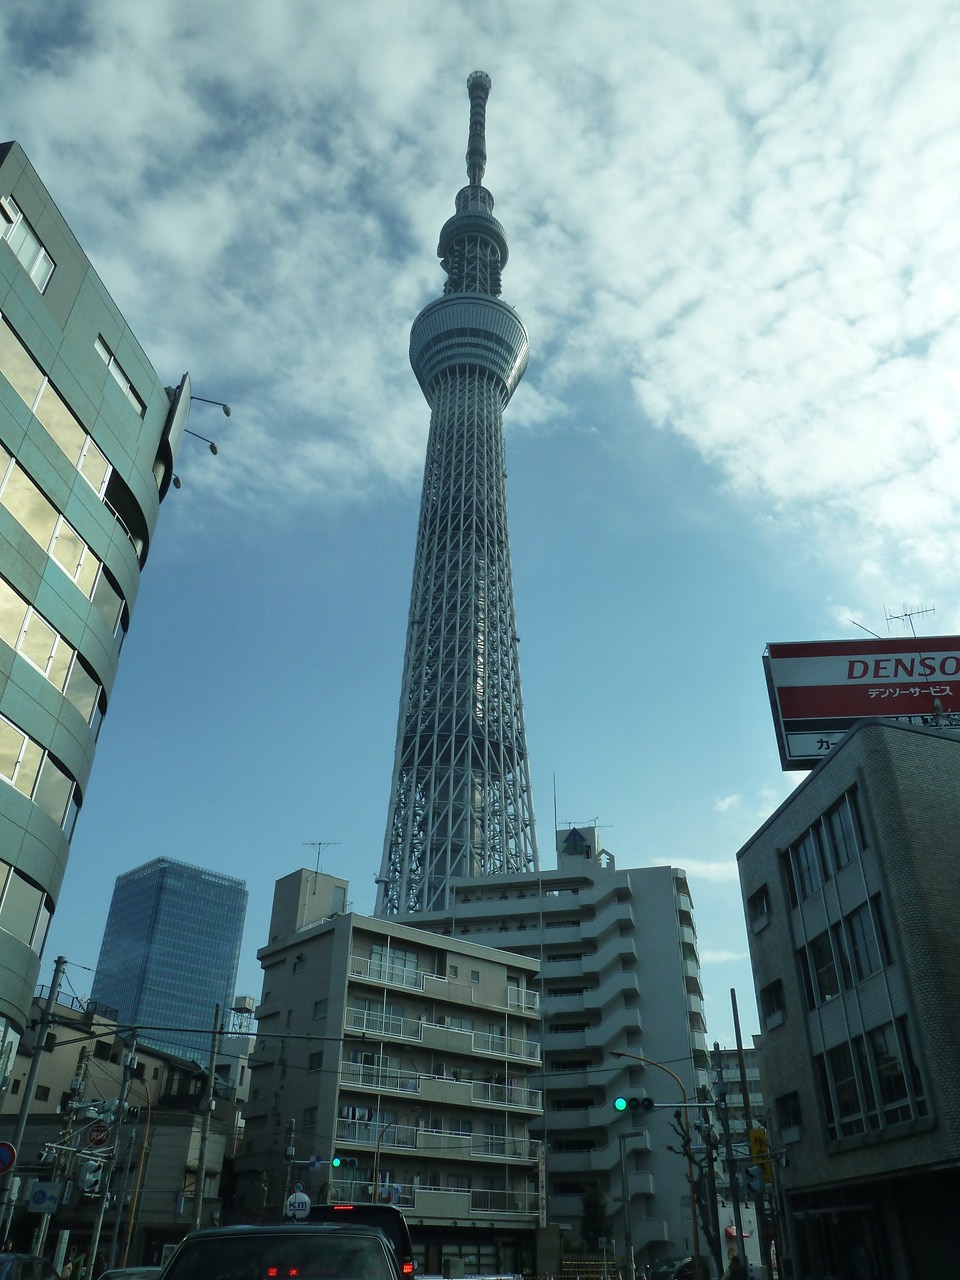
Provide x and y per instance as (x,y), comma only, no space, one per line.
(619,973)
(411,1058)
(170,953)
(853,908)
(87,441)
(460,802)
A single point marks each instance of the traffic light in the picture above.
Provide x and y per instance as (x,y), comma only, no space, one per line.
(633,1104)
(343,1162)
(89,1177)
(753,1181)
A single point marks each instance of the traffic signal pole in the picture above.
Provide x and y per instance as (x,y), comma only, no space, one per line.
(649,1062)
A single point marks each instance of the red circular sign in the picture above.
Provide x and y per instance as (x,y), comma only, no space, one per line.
(97,1134)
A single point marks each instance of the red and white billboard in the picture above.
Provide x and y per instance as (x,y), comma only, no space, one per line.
(819,688)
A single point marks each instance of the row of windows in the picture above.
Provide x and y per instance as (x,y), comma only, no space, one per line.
(43,522)
(849,952)
(870,1082)
(30,635)
(25,243)
(35,773)
(24,908)
(835,839)
(118,375)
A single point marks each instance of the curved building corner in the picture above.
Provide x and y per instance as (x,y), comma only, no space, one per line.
(85,456)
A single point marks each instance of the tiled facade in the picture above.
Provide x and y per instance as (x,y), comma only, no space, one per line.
(853,902)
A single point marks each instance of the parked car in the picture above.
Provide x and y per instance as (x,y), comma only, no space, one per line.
(305,1250)
(26,1266)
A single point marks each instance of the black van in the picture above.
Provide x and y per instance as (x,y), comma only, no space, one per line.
(384,1217)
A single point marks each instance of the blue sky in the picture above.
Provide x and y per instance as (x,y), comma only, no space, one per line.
(734,241)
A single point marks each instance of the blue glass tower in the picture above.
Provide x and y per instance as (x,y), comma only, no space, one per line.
(460,803)
(170,952)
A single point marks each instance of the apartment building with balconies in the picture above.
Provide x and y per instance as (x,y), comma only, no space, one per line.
(619,971)
(412,1059)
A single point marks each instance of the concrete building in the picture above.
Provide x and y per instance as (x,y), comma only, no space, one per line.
(151,1153)
(412,1058)
(853,907)
(87,440)
(170,952)
(619,971)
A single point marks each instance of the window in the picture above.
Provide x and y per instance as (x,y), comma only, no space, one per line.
(788,1115)
(24,912)
(319,1009)
(309,1117)
(823,968)
(30,635)
(453,971)
(865,945)
(771,1005)
(315,1061)
(38,516)
(891,1078)
(34,773)
(808,863)
(119,377)
(758,909)
(474,973)
(25,243)
(844,829)
(299,964)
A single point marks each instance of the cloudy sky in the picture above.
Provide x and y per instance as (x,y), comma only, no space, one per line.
(735,243)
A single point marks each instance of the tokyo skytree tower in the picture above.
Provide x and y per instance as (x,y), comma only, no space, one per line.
(461,804)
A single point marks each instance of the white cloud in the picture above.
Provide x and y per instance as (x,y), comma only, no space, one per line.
(722,957)
(726,803)
(765,243)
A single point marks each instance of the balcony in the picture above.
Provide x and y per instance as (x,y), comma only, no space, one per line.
(384,974)
(435,1035)
(435,1143)
(439,1088)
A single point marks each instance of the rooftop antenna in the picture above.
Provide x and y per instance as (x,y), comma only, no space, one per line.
(319,845)
(907,616)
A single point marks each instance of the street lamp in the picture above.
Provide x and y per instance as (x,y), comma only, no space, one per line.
(649,1062)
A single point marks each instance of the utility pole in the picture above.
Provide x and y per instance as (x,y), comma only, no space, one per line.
(760,1200)
(7,1203)
(720,1092)
(205,1120)
(110,1162)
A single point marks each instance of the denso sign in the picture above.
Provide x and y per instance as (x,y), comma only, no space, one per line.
(818,689)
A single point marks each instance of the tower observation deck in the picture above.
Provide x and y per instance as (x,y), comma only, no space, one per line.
(460,802)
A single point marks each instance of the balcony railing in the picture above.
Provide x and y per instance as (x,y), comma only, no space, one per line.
(395,1080)
(397,975)
(371,1022)
(453,1203)
(436,1142)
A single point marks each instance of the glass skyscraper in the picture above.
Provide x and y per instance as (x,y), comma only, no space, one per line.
(170,953)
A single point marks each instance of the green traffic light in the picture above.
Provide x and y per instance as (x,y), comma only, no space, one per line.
(335,1162)
(620,1104)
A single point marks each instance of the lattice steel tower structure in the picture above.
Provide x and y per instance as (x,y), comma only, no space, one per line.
(461,803)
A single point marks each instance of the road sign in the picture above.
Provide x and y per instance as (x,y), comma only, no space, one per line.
(45,1197)
(298,1205)
(98,1135)
(8,1155)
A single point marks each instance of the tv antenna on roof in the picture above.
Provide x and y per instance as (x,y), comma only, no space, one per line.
(907,616)
(319,845)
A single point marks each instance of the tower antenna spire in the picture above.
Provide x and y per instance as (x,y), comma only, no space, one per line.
(478,87)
